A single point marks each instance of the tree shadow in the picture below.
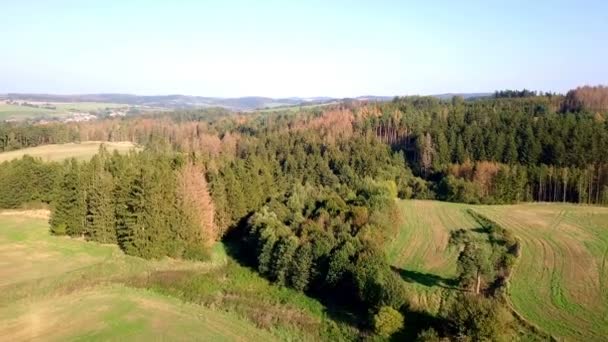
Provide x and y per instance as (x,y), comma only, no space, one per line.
(416,322)
(426,279)
(480,230)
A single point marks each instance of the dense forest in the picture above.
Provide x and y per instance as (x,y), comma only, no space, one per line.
(308,198)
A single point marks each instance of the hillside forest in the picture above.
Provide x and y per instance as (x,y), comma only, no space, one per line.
(307,198)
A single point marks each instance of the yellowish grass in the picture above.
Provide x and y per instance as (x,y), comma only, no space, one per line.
(57,289)
(58,152)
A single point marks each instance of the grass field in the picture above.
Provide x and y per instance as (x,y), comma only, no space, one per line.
(65,289)
(14,111)
(294,109)
(121,313)
(420,249)
(560,282)
(11,111)
(58,288)
(58,152)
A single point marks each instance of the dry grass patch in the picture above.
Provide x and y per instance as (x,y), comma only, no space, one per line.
(58,152)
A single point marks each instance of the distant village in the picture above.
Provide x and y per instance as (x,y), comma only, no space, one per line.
(49,112)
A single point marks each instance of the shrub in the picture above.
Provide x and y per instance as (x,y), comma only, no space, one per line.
(387,321)
(428,335)
(479,318)
(59,229)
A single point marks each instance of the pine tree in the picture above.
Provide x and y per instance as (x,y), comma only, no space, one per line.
(100,223)
(510,156)
(301,267)
(267,245)
(222,211)
(128,201)
(443,152)
(460,152)
(283,258)
(530,148)
(234,194)
(426,151)
(69,212)
(158,183)
(196,224)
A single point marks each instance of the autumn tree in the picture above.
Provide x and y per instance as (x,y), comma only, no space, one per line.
(196,225)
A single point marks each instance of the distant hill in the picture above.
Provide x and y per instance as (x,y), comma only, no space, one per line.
(466,96)
(173,101)
(185,101)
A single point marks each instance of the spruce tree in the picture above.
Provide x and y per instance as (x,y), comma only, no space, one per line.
(301,267)
(100,220)
(128,201)
(282,258)
(68,216)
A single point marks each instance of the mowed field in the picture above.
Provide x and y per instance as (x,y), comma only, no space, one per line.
(57,289)
(420,251)
(560,282)
(58,152)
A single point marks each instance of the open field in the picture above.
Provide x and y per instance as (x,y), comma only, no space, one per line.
(420,249)
(294,108)
(560,282)
(58,152)
(14,111)
(59,288)
(9,111)
(119,313)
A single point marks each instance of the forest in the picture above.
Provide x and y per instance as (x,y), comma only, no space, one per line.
(307,198)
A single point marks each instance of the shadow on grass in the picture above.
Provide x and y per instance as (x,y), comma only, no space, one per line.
(426,279)
(480,230)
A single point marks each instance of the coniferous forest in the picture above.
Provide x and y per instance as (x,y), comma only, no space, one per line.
(307,197)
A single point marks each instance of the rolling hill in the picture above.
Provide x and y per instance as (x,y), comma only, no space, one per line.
(246,103)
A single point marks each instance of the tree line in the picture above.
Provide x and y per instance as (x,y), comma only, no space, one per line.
(526,144)
(14,136)
(152,203)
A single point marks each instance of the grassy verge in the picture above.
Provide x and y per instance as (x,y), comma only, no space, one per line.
(47,281)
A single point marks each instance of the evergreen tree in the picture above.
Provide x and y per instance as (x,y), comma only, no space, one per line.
(301,267)
(443,151)
(100,224)
(510,156)
(68,216)
(283,258)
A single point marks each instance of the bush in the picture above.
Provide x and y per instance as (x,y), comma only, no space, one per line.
(459,190)
(197,253)
(387,321)
(428,335)
(59,229)
(479,318)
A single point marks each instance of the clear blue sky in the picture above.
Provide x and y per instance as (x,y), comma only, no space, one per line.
(304,48)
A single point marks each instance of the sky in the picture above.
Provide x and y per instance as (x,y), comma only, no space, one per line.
(301,48)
